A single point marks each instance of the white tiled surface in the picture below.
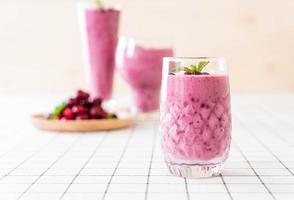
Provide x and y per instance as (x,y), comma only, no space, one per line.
(127,164)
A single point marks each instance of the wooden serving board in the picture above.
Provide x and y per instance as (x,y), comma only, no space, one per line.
(41,122)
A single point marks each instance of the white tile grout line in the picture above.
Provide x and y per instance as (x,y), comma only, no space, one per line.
(264,185)
(19,143)
(4,139)
(227,189)
(273,128)
(270,112)
(187,189)
(28,157)
(271,131)
(250,132)
(90,157)
(58,158)
(151,160)
(266,127)
(237,175)
(116,167)
(249,183)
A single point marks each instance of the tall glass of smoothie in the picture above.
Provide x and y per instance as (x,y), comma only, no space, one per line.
(140,64)
(195,116)
(99,29)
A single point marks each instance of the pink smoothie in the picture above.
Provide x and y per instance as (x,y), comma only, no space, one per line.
(102,30)
(142,70)
(196,119)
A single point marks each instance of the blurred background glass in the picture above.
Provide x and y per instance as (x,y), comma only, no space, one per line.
(41,50)
(140,64)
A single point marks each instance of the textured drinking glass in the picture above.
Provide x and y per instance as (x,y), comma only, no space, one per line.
(195,116)
(140,63)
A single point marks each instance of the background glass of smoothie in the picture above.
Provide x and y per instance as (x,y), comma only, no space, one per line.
(195,116)
(99,30)
(140,64)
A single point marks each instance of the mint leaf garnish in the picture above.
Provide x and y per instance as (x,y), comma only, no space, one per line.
(58,109)
(192,69)
(188,70)
(111,116)
(201,65)
(99,4)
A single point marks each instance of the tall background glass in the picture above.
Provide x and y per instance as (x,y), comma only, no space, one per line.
(195,116)
(140,63)
(99,29)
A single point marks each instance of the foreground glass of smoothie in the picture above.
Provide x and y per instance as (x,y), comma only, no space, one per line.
(141,66)
(99,29)
(195,116)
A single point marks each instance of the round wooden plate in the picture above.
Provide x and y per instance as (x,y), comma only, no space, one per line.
(41,122)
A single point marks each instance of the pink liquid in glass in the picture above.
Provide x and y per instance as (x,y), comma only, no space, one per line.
(142,69)
(101,32)
(196,119)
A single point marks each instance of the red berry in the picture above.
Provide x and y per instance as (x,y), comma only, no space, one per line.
(84,102)
(96,112)
(82,95)
(72,102)
(97,101)
(68,114)
(79,110)
(81,107)
(104,115)
(89,105)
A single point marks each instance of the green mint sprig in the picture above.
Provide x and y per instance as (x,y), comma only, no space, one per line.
(110,116)
(99,4)
(58,109)
(192,69)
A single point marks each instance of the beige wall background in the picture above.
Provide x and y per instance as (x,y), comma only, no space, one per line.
(40,43)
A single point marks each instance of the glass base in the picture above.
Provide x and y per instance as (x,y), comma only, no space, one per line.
(195,171)
(151,115)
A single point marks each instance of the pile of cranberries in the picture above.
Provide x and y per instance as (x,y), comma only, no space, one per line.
(81,107)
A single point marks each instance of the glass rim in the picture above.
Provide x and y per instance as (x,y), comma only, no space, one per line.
(92,6)
(179,58)
(147,42)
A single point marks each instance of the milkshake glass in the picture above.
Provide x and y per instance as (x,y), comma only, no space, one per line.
(99,29)
(141,66)
(195,116)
